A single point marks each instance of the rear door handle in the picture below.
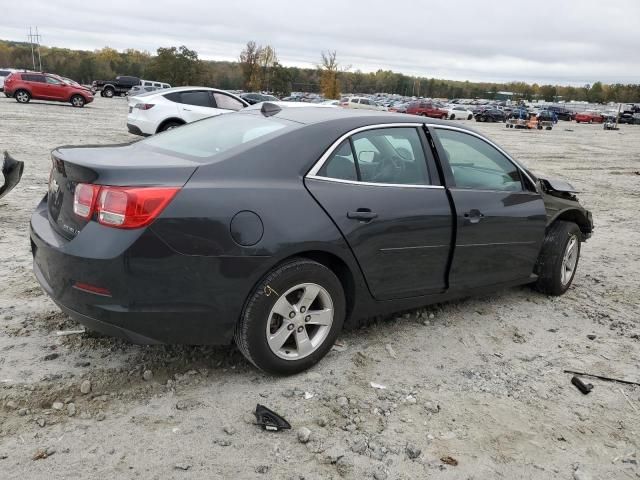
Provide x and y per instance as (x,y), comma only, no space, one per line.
(362,214)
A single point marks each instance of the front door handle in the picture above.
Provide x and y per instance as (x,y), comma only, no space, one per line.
(474,216)
(362,214)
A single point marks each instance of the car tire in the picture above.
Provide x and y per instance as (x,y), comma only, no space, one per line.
(590,122)
(284,289)
(22,96)
(452,117)
(469,117)
(78,101)
(558,259)
(169,126)
(109,92)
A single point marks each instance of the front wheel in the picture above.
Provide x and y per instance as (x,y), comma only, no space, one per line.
(109,92)
(78,101)
(292,318)
(558,260)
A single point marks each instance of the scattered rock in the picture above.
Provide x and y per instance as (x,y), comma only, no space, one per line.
(147,375)
(342,401)
(378,386)
(449,461)
(57,405)
(322,421)
(431,407)
(223,442)
(41,421)
(42,453)
(359,444)
(262,469)
(85,387)
(100,416)
(580,475)
(344,466)
(229,430)
(412,451)
(182,466)
(11,405)
(380,474)
(304,434)
(22,412)
(51,356)
(71,409)
(591,336)
(390,351)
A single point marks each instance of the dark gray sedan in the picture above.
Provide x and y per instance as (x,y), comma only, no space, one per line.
(274,225)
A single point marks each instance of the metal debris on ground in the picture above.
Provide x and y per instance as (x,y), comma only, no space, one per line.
(585,388)
(270,420)
(601,377)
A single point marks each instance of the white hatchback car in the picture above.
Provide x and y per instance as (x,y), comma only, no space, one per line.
(459,112)
(157,111)
(362,103)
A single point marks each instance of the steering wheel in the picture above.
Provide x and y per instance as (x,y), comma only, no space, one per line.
(389,168)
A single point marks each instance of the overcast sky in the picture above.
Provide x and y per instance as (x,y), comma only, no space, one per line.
(557,41)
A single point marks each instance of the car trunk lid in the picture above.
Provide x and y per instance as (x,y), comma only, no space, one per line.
(129,165)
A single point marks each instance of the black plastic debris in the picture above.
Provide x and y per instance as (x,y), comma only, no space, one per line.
(580,385)
(270,420)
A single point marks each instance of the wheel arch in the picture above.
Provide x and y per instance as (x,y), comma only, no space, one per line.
(338,266)
(576,216)
(168,120)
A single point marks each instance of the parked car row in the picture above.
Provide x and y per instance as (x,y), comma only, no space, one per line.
(123,84)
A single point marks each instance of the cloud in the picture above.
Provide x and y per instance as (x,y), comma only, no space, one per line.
(570,41)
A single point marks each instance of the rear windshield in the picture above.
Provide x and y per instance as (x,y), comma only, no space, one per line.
(209,137)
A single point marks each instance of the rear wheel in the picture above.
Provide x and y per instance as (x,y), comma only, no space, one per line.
(558,260)
(78,101)
(452,117)
(469,117)
(169,126)
(22,96)
(109,92)
(292,318)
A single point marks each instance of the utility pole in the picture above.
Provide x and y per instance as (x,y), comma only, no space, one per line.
(34,39)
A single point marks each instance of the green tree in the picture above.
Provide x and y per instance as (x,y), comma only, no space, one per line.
(329,75)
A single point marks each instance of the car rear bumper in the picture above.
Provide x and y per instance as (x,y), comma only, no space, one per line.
(134,129)
(155,295)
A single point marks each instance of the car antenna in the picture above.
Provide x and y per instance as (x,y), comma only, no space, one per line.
(268,109)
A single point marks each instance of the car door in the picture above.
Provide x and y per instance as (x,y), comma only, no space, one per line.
(196,105)
(55,89)
(380,187)
(37,84)
(501,217)
(227,103)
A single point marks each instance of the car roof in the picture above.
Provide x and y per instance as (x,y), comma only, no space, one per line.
(164,91)
(309,114)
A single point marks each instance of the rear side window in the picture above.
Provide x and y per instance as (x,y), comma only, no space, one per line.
(386,156)
(477,165)
(27,77)
(226,102)
(4,73)
(207,138)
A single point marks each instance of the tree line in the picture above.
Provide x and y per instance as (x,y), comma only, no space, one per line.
(258,69)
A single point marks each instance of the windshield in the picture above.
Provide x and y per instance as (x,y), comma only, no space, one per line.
(209,137)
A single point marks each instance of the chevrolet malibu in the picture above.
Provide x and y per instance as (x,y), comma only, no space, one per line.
(274,225)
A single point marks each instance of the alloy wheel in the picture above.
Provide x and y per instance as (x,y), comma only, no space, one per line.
(300,321)
(569,260)
(22,97)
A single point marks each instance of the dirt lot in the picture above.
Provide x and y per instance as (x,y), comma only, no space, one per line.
(477,382)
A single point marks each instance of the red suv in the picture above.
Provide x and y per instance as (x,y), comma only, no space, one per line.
(427,109)
(24,86)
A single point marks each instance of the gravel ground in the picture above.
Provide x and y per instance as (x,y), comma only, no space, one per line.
(473,389)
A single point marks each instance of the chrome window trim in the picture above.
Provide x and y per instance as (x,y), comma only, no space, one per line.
(313,173)
(372,184)
(497,147)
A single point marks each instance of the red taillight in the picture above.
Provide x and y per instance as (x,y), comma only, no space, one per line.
(87,287)
(123,207)
(144,106)
(84,199)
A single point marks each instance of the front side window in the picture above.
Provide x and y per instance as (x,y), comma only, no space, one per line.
(197,98)
(226,102)
(477,165)
(385,155)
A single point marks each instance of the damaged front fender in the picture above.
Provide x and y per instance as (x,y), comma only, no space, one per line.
(12,172)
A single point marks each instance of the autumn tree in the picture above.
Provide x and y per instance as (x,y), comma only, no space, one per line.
(250,64)
(329,75)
